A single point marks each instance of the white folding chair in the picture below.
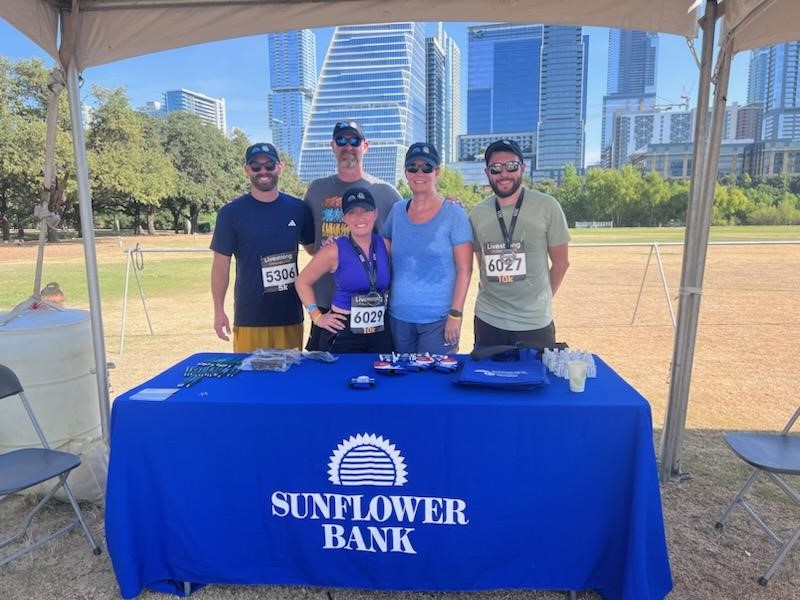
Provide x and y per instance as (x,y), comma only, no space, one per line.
(774,454)
(27,467)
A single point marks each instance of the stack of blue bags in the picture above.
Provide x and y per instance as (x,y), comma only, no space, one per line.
(504,367)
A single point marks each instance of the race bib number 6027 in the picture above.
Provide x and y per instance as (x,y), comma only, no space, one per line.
(504,265)
(278,271)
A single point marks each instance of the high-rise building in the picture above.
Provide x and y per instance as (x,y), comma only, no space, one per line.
(631,84)
(782,99)
(757,75)
(443,93)
(376,75)
(436,98)
(153,109)
(638,131)
(503,78)
(293,77)
(561,134)
(210,110)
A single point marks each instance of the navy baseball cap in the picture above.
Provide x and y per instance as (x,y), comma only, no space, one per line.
(348,126)
(357,196)
(267,150)
(503,146)
(423,151)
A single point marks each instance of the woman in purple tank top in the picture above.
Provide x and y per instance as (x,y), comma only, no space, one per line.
(361,268)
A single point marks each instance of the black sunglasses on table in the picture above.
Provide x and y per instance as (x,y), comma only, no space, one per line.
(426,168)
(256,167)
(511,166)
(341,140)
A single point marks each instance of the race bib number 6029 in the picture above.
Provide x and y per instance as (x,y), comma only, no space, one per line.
(278,271)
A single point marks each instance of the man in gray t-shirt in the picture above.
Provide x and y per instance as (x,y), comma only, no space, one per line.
(521,242)
(324,197)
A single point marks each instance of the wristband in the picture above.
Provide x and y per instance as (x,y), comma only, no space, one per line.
(315,318)
(454,318)
(456,314)
(311,308)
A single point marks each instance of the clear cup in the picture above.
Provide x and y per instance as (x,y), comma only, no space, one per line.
(577,375)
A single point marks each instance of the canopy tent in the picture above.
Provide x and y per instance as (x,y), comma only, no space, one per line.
(83,33)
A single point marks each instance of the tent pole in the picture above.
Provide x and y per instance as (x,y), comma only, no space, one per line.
(698,222)
(87,231)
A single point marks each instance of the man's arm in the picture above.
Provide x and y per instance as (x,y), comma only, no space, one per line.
(559,263)
(220,276)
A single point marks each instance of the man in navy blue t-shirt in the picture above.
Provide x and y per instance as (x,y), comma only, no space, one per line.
(262,230)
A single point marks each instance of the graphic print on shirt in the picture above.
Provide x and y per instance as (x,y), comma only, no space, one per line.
(332,224)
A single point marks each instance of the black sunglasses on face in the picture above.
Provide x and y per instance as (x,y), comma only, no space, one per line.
(256,167)
(354,141)
(426,168)
(511,166)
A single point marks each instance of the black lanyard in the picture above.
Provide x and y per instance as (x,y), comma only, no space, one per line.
(508,234)
(370,266)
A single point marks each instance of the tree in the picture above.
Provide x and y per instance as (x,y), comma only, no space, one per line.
(209,165)
(129,169)
(23,110)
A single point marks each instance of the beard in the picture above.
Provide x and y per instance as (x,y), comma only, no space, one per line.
(347,160)
(264,185)
(505,194)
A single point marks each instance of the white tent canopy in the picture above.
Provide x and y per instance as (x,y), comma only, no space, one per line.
(112,30)
(83,33)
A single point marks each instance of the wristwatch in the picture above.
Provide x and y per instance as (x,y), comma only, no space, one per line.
(455,313)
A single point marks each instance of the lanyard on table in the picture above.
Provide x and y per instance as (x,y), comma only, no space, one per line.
(508,234)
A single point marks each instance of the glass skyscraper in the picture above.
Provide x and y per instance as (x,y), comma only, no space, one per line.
(444,93)
(503,78)
(631,85)
(562,109)
(376,75)
(757,75)
(210,110)
(782,98)
(293,76)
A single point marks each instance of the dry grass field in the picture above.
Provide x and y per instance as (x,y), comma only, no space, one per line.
(744,377)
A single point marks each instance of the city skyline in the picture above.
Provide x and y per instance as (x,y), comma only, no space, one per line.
(237,70)
(375,74)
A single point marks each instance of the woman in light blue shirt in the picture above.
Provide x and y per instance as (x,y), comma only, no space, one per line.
(431,261)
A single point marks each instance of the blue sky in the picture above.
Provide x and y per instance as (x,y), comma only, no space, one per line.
(238,70)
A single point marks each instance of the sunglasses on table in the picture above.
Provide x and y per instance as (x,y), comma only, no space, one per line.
(256,167)
(511,166)
(341,141)
(426,168)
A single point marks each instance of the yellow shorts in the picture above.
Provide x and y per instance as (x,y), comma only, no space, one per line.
(247,339)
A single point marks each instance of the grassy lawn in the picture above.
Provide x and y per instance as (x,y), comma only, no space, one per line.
(731,233)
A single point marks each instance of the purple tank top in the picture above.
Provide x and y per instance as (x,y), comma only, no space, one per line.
(350,276)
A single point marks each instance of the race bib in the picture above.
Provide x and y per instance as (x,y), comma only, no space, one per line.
(367,312)
(278,271)
(504,265)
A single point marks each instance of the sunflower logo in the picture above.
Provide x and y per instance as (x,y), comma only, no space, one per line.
(367,459)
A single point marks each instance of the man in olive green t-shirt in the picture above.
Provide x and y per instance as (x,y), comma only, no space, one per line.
(521,244)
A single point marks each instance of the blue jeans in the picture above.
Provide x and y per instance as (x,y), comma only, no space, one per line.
(419,337)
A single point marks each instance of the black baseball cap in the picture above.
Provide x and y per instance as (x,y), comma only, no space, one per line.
(267,150)
(348,126)
(503,146)
(357,196)
(423,151)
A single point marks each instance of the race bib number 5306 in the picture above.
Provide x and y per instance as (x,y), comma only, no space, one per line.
(278,271)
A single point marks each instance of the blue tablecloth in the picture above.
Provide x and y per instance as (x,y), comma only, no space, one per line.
(417,484)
